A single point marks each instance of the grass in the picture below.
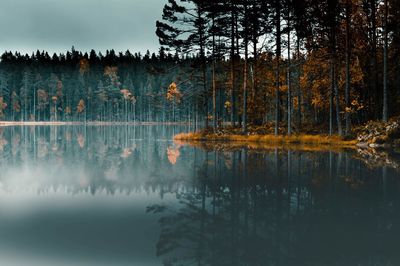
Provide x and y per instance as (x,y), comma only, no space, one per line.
(265,139)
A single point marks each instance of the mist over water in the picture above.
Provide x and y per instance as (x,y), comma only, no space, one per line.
(121,195)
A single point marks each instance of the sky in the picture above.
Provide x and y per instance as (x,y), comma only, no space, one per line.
(57,25)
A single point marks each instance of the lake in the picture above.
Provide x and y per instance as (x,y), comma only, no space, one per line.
(119,195)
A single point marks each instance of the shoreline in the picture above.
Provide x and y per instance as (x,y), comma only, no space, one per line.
(267,139)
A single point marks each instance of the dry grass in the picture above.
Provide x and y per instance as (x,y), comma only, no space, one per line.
(266,139)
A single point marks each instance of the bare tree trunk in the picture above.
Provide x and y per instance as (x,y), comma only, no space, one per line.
(289,96)
(246,43)
(299,98)
(348,78)
(278,56)
(331,99)
(374,54)
(385,64)
(213,80)
(338,120)
(233,65)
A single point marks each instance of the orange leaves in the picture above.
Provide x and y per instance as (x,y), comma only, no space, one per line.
(128,96)
(81,106)
(126,93)
(81,140)
(173,93)
(173,154)
(83,66)
(317,101)
(112,73)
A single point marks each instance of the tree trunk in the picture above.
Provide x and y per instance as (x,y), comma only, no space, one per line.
(233,65)
(278,56)
(338,120)
(246,43)
(299,98)
(374,56)
(348,56)
(385,64)
(213,79)
(331,99)
(289,96)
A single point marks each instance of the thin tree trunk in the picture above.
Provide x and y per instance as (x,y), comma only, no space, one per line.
(278,56)
(374,55)
(246,43)
(385,64)
(331,99)
(233,65)
(338,120)
(348,56)
(299,98)
(289,104)
(213,79)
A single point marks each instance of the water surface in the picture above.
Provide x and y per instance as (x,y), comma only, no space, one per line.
(131,196)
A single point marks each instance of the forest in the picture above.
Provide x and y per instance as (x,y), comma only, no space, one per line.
(288,65)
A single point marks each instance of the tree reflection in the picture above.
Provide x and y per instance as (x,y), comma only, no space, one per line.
(280,208)
(95,158)
(241,207)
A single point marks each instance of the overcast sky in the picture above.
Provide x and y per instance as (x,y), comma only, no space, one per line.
(56,25)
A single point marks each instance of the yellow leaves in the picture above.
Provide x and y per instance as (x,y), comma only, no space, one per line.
(227,105)
(81,106)
(68,110)
(173,93)
(317,101)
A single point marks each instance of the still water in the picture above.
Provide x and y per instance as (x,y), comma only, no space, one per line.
(131,196)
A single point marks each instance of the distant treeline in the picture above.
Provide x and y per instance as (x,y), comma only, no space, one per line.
(96,87)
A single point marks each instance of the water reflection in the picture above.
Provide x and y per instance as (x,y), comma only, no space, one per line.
(88,188)
(282,207)
(95,158)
